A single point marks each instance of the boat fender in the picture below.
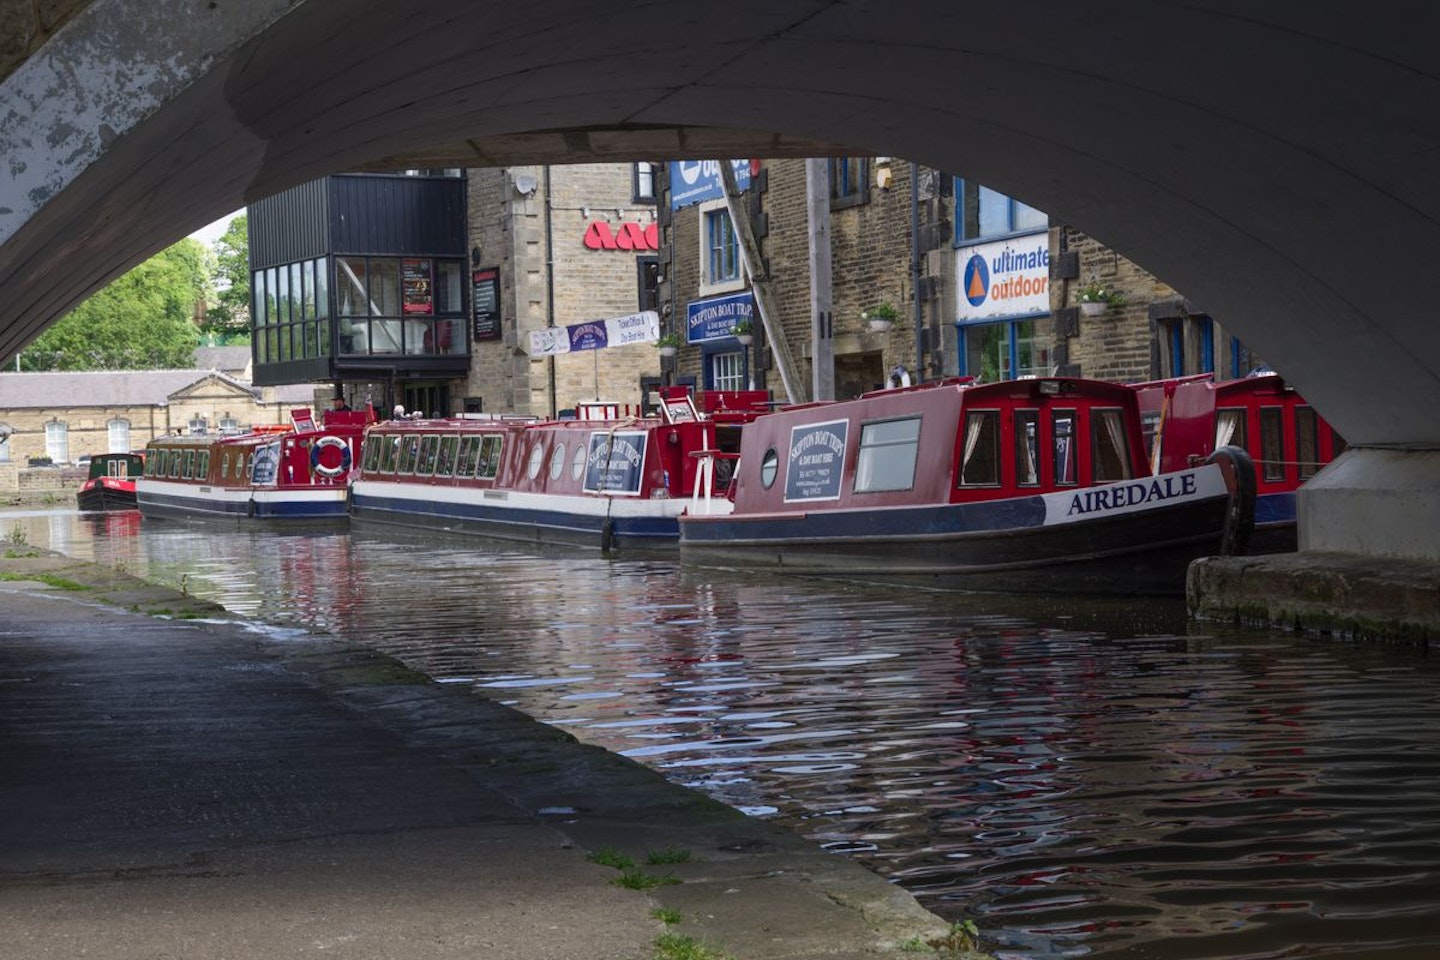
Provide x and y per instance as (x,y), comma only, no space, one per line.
(320,468)
(607,535)
(1239,472)
(250,508)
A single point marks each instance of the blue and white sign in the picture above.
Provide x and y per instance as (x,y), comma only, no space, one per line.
(588,336)
(695,181)
(614,462)
(816,461)
(266,465)
(1003,279)
(712,319)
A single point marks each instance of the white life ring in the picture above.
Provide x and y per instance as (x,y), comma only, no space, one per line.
(320,468)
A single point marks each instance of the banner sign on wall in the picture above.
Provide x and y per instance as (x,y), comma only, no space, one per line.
(643,327)
(485,300)
(1003,279)
(695,181)
(712,319)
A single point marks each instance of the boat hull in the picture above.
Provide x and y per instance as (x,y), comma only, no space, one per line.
(183,501)
(609,524)
(106,497)
(1017,545)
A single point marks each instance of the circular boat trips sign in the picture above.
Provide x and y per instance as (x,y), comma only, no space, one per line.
(816,461)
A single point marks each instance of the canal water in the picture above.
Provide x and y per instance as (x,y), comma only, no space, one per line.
(1079,779)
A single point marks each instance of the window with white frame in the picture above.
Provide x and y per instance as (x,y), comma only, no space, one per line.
(719,250)
(5,432)
(119,431)
(981,212)
(57,442)
(197,426)
(229,424)
(727,371)
(643,178)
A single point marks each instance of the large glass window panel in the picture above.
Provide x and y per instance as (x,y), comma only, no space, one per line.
(384,287)
(297,291)
(282,295)
(118,435)
(273,295)
(390,454)
(57,442)
(445,462)
(449,336)
(980,462)
(320,271)
(469,454)
(257,296)
(489,465)
(428,445)
(994,212)
(409,447)
(723,260)
(449,286)
(1026,217)
(351,297)
(887,455)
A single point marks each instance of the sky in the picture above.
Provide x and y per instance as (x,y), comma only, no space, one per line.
(210,233)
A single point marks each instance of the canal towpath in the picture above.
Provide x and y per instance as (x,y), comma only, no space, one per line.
(182,783)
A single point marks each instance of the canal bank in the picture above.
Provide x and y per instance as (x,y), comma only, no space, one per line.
(212,787)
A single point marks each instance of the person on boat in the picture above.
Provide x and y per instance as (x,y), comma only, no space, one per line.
(398,413)
(337,402)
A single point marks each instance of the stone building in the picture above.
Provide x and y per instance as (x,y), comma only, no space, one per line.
(56,418)
(553,247)
(983,285)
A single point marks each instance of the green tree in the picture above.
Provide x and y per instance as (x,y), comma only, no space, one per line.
(142,321)
(229,318)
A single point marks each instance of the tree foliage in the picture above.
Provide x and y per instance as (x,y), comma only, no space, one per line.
(229,317)
(142,321)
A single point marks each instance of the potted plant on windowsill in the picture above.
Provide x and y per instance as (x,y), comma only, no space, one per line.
(668,344)
(880,316)
(743,331)
(1095,298)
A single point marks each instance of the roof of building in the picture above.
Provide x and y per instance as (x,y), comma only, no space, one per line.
(228,359)
(103,388)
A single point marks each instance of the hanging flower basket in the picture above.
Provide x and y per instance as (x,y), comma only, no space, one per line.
(880,317)
(879,324)
(1095,299)
(745,339)
(1092,308)
(668,344)
(667,351)
(744,332)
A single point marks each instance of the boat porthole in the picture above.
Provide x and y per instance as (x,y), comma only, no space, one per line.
(557,461)
(769,466)
(537,457)
(577,466)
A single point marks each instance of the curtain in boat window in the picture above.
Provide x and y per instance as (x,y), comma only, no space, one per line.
(1027,438)
(1110,456)
(1229,428)
(981,463)
(1062,433)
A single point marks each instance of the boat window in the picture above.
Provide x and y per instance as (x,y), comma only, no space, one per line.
(409,451)
(175,463)
(980,463)
(202,465)
(1109,450)
(389,453)
(1272,443)
(887,455)
(537,457)
(1307,442)
(577,464)
(371,461)
(445,459)
(188,470)
(426,465)
(1062,433)
(1027,447)
(769,466)
(152,465)
(557,461)
(469,452)
(489,464)
(1230,428)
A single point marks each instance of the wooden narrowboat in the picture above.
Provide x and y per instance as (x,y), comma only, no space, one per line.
(604,479)
(111,482)
(1188,418)
(1031,485)
(293,473)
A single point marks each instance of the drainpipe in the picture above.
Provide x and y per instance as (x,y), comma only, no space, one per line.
(550,285)
(915,272)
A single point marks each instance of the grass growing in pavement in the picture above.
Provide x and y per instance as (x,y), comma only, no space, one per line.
(668,855)
(675,946)
(666,916)
(610,857)
(59,583)
(634,878)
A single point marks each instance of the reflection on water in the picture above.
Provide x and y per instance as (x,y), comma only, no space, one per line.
(1082,780)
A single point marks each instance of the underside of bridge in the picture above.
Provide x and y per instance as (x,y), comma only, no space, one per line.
(1276,164)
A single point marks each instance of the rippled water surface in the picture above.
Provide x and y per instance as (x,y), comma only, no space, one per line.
(1079,779)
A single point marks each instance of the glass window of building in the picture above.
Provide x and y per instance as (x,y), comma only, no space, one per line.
(118,435)
(1003,351)
(848,183)
(727,371)
(719,249)
(1187,345)
(981,213)
(5,433)
(643,181)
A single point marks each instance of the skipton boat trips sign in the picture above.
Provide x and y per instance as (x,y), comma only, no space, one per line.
(613,462)
(816,461)
(1003,279)
(642,327)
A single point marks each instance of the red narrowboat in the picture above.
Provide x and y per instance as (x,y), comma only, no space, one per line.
(291,473)
(1188,418)
(111,482)
(610,479)
(1031,485)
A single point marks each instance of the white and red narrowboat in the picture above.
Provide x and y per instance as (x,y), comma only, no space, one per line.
(1188,418)
(110,484)
(298,472)
(604,479)
(1032,485)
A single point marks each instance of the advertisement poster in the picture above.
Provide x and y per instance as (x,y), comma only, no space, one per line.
(712,319)
(485,298)
(1003,279)
(643,327)
(695,181)
(816,461)
(415,293)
